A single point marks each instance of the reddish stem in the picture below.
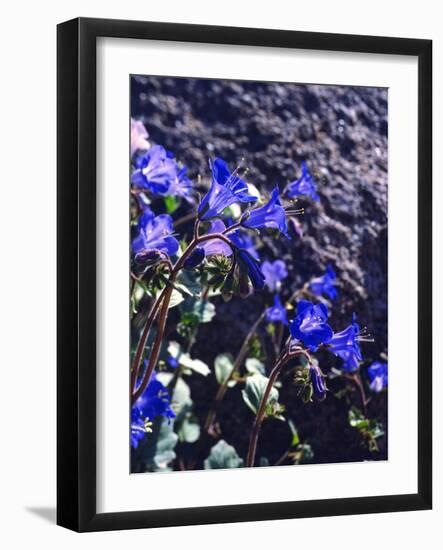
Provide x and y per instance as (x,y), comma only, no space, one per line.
(164,315)
(262,408)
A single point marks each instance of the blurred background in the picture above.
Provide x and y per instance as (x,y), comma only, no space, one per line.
(341,132)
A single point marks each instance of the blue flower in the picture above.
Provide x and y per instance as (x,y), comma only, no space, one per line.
(247,262)
(172,362)
(277,312)
(305,185)
(346,345)
(243,240)
(209,248)
(138,430)
(155,234)
(378,376)
(274,273)
(155,401)
(216,246)
(325,285)
(226,189)
(317,381)
(155,171)
(310,324)
(271,215)
(181,186)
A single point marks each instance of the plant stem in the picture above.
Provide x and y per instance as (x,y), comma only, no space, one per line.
(239,360)
(356,378)
(237,364)
(185,219)
(284,358)
(283,457)
(143,339)
(136,393)
(232,227)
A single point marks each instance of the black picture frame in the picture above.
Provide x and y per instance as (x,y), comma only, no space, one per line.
(76,282)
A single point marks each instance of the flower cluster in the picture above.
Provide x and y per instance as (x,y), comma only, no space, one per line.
(218,258)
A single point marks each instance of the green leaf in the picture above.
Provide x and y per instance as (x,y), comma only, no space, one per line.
(255,366)
(171,203)
(223,366)
(357,419)
(157,448)
(190,280)
(176,298)
(189,430)
(254,390)
(221,456)
(186,362)
(295,436)
(197,366)
(181,401)
(202,310)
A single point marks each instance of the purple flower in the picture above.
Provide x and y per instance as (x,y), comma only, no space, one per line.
(155,401)
(216,246)
(209,248)
(226,189)
(325,285)
(274,273)
(181,186)
(378,376)
(345,344)
(247,261)
(317,381)
(138,430)
(155,234)
(310,325)
(243,240)
(155,171)
(250,265)
(271,215)
(138,136)
(277,312)
(305,185)
(172,362)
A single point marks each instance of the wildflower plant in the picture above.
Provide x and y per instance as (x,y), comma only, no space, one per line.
(184,266)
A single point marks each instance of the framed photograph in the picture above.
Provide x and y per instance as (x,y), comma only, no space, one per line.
(244,274)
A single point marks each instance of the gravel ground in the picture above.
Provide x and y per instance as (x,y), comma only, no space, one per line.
(342,134)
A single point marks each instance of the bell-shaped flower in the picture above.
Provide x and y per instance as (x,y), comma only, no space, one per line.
(252,267)
(138,429)
(271,215)
(242,239)
(276,313)
(226,188)
(155,171)
(274,273)
(378,376)
(304,186)
(345,344)
(318,382)
(248,263)
(210,247)
(155,400)
(325,284)
(181,186)
(155,233)
(310,325)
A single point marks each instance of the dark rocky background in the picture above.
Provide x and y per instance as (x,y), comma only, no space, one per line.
(341,132)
